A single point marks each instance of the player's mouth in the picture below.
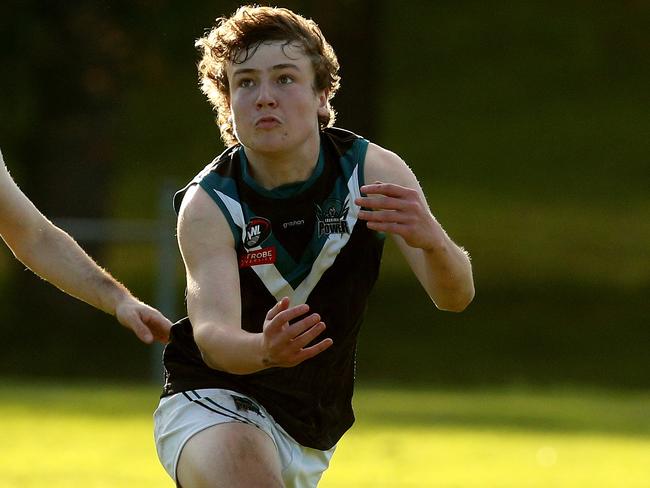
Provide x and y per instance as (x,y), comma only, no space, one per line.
(267,122)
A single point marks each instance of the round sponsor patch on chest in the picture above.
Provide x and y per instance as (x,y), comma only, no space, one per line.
(256,232)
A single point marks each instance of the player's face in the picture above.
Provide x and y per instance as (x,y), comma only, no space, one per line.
(272,99)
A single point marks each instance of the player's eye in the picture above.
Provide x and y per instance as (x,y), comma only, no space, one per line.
(285,79)
(245,83)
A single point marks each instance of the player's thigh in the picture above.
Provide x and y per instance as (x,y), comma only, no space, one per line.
(231,455)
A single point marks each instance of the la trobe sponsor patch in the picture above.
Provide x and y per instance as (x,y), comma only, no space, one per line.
(265,255)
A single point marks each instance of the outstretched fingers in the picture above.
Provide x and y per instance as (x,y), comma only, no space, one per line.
(387,189)
(398,210)
(147,323)
(283,304)
(311,351)
(384,216)
(386,201)
(141,331)
(157,324)
(283,316)
(288,332)
(305,330)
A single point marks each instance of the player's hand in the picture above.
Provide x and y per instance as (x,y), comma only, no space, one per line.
(285,344)
(146,322)
(399,210)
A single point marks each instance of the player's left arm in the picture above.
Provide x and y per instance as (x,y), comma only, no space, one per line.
(395,203)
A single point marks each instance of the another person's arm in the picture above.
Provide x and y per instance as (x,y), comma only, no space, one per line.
(214,300)
(53,255)
(396,204)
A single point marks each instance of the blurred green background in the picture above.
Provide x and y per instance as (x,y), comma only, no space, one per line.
(527,123)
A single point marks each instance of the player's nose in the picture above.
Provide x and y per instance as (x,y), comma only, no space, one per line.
(265,97)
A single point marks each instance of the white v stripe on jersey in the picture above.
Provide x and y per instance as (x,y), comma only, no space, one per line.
(332,247)
(269,274)
(234,207)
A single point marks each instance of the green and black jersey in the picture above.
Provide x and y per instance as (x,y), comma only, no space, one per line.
(303,241)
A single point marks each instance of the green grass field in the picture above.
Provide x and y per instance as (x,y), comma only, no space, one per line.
(63,435)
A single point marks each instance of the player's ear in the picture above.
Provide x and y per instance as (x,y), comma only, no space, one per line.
(323,103)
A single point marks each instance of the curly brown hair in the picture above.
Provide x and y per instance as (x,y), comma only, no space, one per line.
(236,38)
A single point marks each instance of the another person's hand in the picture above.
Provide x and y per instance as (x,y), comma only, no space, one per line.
(285,344)
(146,322)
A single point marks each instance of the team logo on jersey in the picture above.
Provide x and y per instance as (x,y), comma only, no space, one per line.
(332,217)
(256,232)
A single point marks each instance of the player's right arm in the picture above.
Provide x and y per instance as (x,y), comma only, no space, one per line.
(214,300)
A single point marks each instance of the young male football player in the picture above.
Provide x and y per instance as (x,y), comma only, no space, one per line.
(282,237)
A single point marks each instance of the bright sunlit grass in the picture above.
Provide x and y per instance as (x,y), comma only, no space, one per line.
(495,439)
(85,436)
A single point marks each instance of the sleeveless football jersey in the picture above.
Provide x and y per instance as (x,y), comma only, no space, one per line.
(303,241)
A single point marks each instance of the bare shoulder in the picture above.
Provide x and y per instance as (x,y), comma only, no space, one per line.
(200,219)
(388,167)
(196,204)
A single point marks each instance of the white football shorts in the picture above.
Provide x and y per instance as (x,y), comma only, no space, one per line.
(180,416)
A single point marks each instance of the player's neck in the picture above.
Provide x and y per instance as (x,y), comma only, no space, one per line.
(274,169)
